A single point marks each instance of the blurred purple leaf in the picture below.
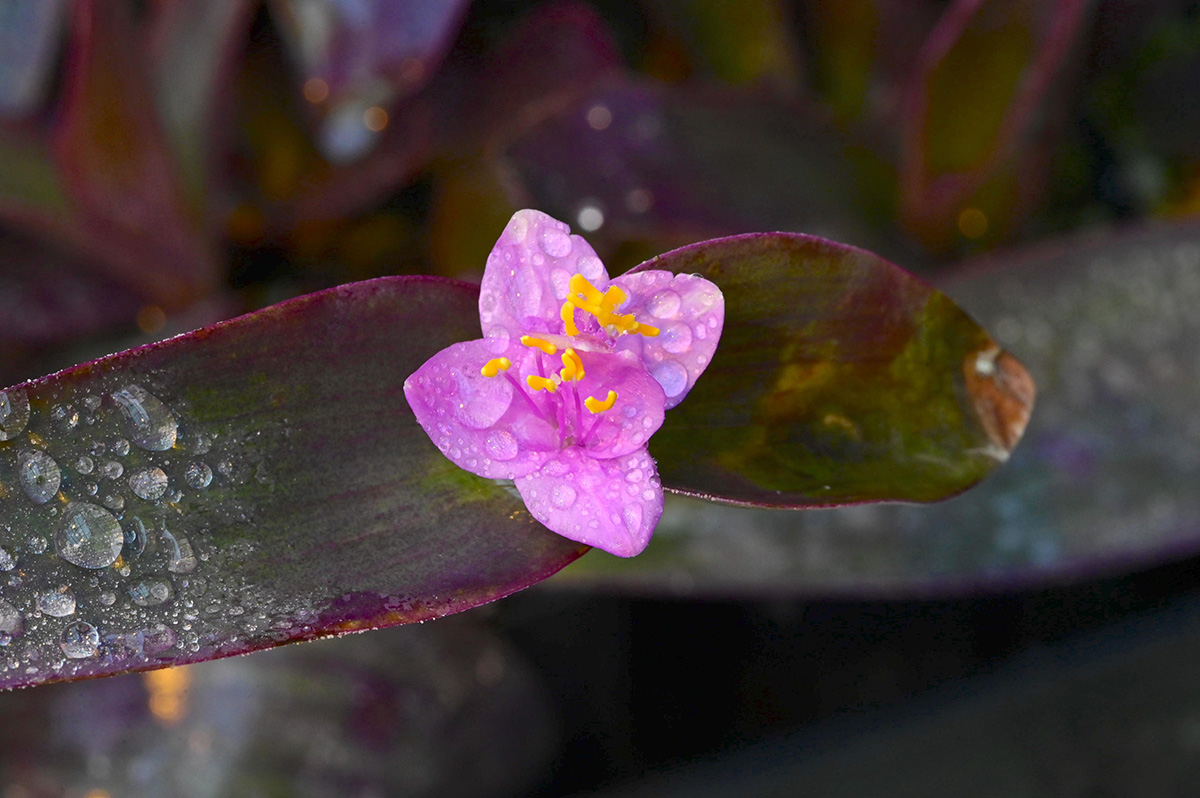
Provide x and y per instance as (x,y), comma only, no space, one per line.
(840,379)
(30,42)
(669,164)
(1103,483)
(245,485)
(444,709)
(986,83)
(356,56)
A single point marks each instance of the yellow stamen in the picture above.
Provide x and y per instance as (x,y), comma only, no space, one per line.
(568,316)
(495,366)
(545,346)
(596,406)
(541,383)
(588,298)
(572,366)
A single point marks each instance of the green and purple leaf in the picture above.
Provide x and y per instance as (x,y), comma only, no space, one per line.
(263,480)
(1103,483)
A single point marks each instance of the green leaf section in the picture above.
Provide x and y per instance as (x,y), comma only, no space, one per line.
(327,507)
(839,379)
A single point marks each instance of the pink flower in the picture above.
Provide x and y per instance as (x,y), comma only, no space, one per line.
(570,380)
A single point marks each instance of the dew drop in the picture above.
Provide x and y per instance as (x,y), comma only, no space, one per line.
(633,516)
(65,415)
(562,497)
(111,470)
(555,243)
(590,267)
(150,593)
(501,444)
(676,338)
(120,447)
(85,465)
(14,413)
(671,376)
(665,304)
(701,332)
(634,476)
(181,559)
(89,536)
(149,483)
(39,474)
(113,501)
(151,423)
(12,623)
(36,544)
(198,475)
(108,598)
(80,640)
(59,602)
(134,539)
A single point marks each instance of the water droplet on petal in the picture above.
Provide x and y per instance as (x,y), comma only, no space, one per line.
(633,516)
(676,338)
(501,444)
(149,483)
(665,304)
(80,640)
(59,602)
(555,243)
(39,474)
(560,281)
(14,413)
(562,497)
(89,536)
(151,423)
(634,476)
(198,475)
(590,267)
(671,376)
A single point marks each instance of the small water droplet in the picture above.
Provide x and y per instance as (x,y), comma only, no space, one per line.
(501,444)
(80,640)
(14,413)
(59,602)
(39,474)
(113,501)
(676,338)
(151,423)
(701,332)
(91,403)
(665,304)
(180,560)
(89,536)
(36,544)
(150,593)
(198,475)
(120,447)
(555,243)
(85,465)
(562,496)
(7,563)
(135,539)
(108,598)
(65,415)
(149,483)
(590,267)
(633,516)
(111,470)
(91,488)
(634,476)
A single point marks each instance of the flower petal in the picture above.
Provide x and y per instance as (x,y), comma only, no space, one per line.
(483,424)
(634,417)
(610,504)
(527,275)
(689,312)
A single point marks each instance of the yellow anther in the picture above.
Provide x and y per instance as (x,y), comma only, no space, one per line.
(495,366)
(580,285)
(645,329)
(572,366)
(541,383)
(596,406)
(545,346)
(568,316)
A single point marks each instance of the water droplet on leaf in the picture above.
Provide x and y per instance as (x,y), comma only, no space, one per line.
(14,413)
(89,536)
(80,640)
(149,483)
(39,474)
(151,423)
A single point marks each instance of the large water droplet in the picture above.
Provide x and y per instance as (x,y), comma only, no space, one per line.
(151,423)
(14,413)
(676,338)
(149,483)
(501,444)
(59,602)
(89,536)
(555,243)
(180,559)
(671,376)
(665,304)
(562,497)
(39,474)
(11,622)
(80,640)
(198,475)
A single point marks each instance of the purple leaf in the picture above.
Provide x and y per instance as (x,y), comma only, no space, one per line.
(1103,483)
(248,484)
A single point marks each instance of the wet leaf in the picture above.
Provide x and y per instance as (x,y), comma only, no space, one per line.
(1103,482)
(840,378)
(988,79)
(245,485)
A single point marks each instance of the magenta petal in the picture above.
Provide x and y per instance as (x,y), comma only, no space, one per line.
(482,424)
(610,504)
(527,275)
(689,312)
(637,413)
